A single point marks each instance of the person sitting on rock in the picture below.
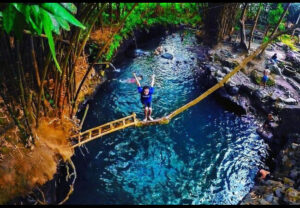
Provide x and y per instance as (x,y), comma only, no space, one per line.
(268,123)
(158,50)
(265,78)
(146,97)
(274,58)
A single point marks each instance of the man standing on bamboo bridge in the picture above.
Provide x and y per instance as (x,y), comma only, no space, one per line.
(146,97)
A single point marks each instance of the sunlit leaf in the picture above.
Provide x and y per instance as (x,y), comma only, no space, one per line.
(63,23)
(36,21)
(9,15)
(70,6)
(55,24)
(57,10)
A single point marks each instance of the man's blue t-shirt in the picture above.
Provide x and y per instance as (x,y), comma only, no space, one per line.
(146,98)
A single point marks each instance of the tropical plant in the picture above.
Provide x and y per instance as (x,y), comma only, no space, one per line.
(47,17)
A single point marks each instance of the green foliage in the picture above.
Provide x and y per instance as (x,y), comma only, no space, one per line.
(274,16)
(146,15)
(266,39)
(252,10)
(47,17)
(289,41)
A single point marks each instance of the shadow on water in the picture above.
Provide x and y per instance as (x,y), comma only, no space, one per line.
(204,156)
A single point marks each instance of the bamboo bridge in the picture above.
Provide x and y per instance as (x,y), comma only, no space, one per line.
(122,123)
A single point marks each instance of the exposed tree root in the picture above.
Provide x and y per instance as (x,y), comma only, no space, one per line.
(73,182)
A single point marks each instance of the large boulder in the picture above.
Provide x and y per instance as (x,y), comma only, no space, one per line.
(260,95)
(227,63)
(289,119)
(233,90)
(294,84)
(275,69)
(289,101)
(290,56)
(226,70)
(209,68)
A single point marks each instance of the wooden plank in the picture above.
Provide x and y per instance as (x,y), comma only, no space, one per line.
(106,124)
(102,134)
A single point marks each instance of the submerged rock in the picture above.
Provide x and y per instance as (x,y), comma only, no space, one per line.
(136,53)
(167,56)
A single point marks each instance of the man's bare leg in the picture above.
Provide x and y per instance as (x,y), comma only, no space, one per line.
(146,113)
(150,111)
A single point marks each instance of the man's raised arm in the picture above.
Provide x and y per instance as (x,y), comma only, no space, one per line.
(153,80)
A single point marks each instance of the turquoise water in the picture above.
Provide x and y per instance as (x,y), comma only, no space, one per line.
(205,155)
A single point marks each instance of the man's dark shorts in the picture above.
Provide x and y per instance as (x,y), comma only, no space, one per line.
(147,104)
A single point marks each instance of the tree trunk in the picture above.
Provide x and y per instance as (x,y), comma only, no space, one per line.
(86,38)
(280,20)
(48,59)
(276,28)
(267,30)
(118,12)
(254,26)
(35,65)
(110,12)
(242,29)
(295,24)
(218,21)
(22,89)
